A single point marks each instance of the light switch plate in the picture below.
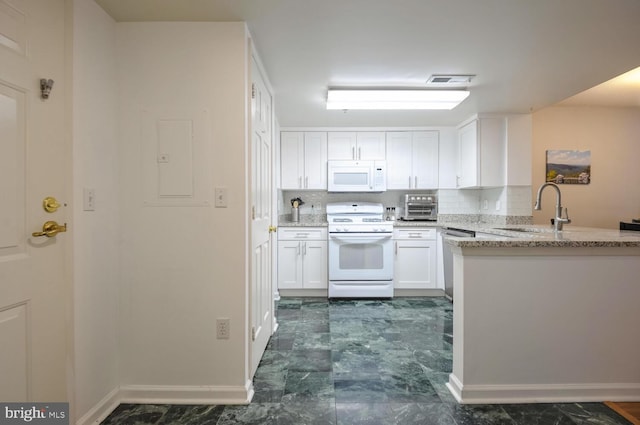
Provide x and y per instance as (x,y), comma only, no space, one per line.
(221,194)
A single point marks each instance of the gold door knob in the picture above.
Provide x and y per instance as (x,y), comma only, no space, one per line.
(272,229)
(50,229)
(50,204)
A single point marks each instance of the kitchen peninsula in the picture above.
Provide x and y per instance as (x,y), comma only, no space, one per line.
(544,316)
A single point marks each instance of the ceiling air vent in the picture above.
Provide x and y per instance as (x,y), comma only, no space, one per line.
(450,79)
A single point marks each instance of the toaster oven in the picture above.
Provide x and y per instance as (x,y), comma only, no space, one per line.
(420,206)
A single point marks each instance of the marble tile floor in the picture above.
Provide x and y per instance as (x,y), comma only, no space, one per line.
(368,362)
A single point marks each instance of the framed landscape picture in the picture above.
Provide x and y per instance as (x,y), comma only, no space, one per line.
(568,167)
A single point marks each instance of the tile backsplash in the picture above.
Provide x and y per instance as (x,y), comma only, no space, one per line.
(486,204)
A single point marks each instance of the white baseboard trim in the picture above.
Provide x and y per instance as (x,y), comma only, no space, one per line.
(418,292)
(542,393)
(316,293)
(167,394)
(102,409)
(187,394)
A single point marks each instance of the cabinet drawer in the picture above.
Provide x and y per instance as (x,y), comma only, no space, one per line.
(415,233)
(302,233)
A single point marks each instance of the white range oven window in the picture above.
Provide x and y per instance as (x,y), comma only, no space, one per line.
(360,256)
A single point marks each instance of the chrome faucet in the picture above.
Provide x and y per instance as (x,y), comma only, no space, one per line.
(558,221)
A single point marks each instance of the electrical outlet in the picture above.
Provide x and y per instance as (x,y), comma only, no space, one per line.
(223,328)
(498,205)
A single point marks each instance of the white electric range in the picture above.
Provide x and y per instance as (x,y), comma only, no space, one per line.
(360,251)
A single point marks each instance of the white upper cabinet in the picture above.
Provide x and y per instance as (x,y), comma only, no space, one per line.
(291,159)
(315,160)
(518,155)
(399,159)
(425,160)
(371,145)
(495,151)
(303,160)
(481,152)
(447,158)
(341,145)
(412,160)
(467,174)
(352,145)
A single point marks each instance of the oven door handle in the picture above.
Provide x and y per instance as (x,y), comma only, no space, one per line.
(360,238)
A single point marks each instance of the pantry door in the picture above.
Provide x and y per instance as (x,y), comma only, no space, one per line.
(35,289)
(261,224)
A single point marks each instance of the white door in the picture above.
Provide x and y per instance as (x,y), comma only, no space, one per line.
(35,287)
(261,197)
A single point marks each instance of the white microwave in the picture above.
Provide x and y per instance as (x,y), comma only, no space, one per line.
(357,176)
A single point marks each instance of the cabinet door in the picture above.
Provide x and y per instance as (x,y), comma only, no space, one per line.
(289,264)
(291,155)
(399,154)
(415,264)
(448,158)
(491,151)
(314,275)
(370,145)
(315,160)
(341,145)
(468,155)
(425,160)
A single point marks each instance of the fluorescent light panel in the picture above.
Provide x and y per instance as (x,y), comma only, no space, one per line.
(395,99)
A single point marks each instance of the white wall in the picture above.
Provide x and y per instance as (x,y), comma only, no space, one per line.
(95,233)
(612,136)
(184,262)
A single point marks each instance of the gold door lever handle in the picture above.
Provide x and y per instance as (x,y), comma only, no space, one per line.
(272,229)
(50,229)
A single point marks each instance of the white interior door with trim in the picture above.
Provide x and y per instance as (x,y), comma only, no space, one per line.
(261,299)
(35,163)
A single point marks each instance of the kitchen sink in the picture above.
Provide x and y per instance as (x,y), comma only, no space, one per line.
(526,229)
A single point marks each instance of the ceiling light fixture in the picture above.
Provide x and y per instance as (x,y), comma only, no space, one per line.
(394,99)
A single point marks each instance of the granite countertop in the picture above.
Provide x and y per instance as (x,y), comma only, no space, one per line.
(506,236)
(536,236)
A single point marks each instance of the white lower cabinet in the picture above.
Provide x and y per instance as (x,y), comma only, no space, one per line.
(302,258)
(415,258)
